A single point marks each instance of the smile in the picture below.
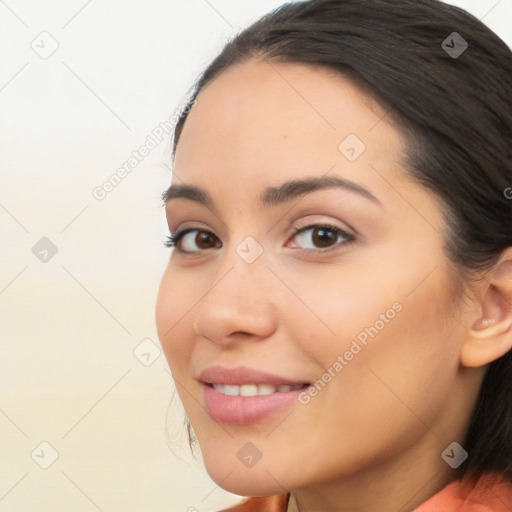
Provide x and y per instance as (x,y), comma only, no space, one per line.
(254,389)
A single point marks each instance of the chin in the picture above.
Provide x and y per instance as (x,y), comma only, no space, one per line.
(237,479)
(249,487)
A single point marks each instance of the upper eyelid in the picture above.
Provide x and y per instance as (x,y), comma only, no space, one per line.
(305,227)
(301,224)
(305,210)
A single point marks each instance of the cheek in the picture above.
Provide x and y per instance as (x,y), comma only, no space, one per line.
(381,346)
(174,304)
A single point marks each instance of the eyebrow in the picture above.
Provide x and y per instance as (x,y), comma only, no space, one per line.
(273,196)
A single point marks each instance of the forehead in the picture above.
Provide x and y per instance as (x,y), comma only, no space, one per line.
(270,122)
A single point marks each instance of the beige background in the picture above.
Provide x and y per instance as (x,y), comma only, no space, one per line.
(70,322)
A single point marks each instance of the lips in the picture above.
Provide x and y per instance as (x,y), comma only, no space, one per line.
(242,395)
(240,375)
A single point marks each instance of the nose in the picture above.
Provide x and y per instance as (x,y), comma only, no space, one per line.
(238,304)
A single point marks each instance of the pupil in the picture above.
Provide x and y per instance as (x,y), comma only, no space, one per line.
(324,236)
(203,237)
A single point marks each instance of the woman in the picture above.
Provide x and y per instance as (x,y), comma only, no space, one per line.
(337,309)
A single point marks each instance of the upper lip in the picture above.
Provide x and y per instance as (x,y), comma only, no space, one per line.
(239,375)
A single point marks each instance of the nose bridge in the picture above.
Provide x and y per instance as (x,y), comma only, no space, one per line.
(238,299)
(243,269)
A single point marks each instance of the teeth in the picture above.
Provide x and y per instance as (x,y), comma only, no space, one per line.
(254,389)
(231,390)
(266,389)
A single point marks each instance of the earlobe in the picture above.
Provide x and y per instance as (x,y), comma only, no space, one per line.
(490,336)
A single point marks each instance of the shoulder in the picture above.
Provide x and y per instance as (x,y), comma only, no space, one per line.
(277,503)
(488,493)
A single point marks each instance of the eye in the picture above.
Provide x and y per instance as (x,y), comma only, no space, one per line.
(185,243)
(326,237)
(323,237)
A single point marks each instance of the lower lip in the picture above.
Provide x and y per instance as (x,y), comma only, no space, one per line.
(244,410)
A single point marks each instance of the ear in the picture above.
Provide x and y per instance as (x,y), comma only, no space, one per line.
(490,335)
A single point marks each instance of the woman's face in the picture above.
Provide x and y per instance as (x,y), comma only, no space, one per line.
(364,318)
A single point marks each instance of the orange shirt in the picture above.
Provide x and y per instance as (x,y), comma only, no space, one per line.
(489,493)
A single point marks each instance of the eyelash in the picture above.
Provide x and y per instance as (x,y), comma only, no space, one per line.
(175,237)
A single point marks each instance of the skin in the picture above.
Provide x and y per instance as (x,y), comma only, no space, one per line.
(372,439)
